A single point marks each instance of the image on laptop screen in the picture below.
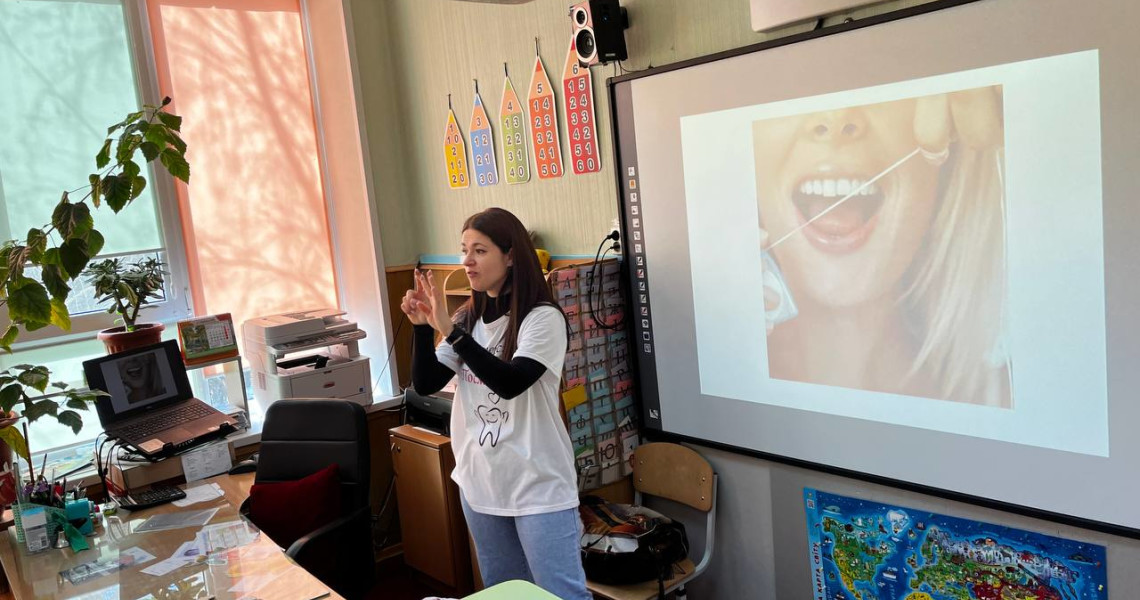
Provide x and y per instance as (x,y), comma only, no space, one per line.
(138,380)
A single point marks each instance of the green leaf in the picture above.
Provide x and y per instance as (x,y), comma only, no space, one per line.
(38,409)
(15,441)
(172,121)
(116,191)
(51,257)
(130,169)
(20,367)
(9,396)
(94,243)
(54,280)
(59,385)
(14,259)
(138,187)
(128,293)
(71,419)
(104,155)
(96,189)
(74,255)
(176,141)
(72,220)
(28,302)
(9,337)
(151,149)
(37,243)
(176,164)
(78,403)
(36,377)
(60,316)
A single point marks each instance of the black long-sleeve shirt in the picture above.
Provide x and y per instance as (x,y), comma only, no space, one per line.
(506,378)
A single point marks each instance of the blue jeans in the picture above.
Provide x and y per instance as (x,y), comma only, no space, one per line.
(542,549)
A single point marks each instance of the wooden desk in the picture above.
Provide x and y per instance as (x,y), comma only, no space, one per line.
(36,576)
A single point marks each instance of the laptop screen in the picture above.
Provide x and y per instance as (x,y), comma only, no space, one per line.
(138,380)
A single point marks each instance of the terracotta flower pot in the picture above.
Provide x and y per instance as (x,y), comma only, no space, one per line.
(117,339)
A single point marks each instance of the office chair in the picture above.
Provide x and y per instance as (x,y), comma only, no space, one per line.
(676,473)
(301,437)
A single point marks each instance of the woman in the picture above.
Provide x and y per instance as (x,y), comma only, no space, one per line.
(887,223)
(513,460)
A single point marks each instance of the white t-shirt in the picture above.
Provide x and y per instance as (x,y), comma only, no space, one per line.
(513,457)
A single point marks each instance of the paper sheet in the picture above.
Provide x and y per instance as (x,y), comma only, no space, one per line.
(206,462)
(200,493)
(159,569)
(222,536)
(177,520)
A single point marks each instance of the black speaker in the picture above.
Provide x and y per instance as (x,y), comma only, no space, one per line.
(599,31)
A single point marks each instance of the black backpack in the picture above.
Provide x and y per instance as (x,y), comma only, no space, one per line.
(624,544)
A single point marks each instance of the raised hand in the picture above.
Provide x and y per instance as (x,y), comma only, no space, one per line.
(435,304)
(415,303)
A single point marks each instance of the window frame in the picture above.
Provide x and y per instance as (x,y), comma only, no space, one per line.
(178,304)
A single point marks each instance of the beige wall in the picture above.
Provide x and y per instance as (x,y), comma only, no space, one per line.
(412,53)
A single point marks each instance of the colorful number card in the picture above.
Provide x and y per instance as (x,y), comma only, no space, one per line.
(544,124)
(517,166)
(578,91)
(455,153)
(482,145)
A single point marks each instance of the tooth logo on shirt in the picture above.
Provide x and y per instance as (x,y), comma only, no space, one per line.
(493,419)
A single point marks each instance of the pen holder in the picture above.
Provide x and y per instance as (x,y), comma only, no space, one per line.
(79,514)
(52,524)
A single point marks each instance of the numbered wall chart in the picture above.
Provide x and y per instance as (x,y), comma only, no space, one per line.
(482,145)
(517,165)
(544,124)
(578,90)
(455,154)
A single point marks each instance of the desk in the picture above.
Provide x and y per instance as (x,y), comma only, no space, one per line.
(513,590)
(36,575)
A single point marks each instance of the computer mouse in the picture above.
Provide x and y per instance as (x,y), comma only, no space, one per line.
(245,466)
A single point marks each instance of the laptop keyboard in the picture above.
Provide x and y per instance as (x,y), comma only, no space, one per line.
(161,422)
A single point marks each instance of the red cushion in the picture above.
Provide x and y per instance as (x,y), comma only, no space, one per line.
(288,510)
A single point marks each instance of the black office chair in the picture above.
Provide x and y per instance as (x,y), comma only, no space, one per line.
(301,437)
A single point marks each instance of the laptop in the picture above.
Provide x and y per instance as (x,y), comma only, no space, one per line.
(151,408)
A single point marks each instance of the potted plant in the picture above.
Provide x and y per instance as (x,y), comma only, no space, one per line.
(35,272)
(128,287)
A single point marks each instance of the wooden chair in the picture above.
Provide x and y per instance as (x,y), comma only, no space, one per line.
(676,473)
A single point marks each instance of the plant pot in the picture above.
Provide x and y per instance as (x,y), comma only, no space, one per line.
(117,339)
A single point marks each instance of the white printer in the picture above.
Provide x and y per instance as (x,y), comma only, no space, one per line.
(307,354)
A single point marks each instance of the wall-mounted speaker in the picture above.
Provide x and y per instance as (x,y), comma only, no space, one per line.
(599,31)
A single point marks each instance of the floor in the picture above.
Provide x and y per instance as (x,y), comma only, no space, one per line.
(395,581)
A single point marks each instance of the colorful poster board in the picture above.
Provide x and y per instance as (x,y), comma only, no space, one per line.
(865,549)
(544,124)
(516,159)
(482,145)
(578,92)
(455,154)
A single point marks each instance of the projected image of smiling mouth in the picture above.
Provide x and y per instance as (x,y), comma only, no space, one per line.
(849,206)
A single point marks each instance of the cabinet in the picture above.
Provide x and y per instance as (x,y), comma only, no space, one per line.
(431,519)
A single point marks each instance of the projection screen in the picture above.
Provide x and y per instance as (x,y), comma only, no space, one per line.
(903,250)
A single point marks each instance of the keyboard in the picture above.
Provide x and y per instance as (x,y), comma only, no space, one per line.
(151,497)
(161,422)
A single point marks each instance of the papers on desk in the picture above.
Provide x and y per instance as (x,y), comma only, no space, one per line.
(177,520)
(207,461)
(223,536)
(201,493)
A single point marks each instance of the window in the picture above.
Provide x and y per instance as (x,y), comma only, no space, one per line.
(54,114)
(250,236)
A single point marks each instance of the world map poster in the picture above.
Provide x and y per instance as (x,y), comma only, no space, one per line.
(864,550)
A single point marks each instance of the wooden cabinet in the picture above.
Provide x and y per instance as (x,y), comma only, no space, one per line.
(434,534)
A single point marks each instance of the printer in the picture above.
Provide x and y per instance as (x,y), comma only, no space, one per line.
(306,354)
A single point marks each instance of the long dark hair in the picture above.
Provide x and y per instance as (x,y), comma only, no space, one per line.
(525,284)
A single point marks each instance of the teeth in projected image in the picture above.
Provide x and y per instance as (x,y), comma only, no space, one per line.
(832,188)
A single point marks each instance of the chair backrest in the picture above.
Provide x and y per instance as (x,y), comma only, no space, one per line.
(300,437)
(675,472)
